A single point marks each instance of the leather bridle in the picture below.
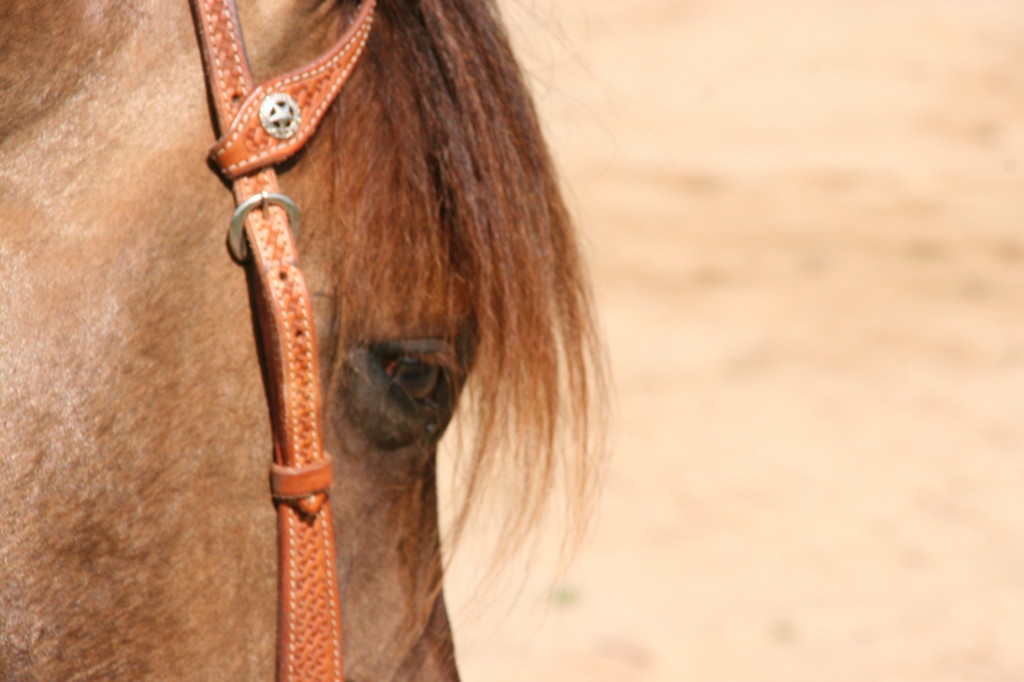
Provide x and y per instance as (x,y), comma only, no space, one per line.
(259,126)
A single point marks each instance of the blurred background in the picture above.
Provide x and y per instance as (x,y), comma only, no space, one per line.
(805,225)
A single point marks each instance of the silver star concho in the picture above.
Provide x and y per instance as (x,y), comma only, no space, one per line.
(280,115)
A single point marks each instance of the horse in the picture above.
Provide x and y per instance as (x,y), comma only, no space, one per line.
(138,539)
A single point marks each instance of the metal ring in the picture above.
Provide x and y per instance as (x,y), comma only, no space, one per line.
(236,236)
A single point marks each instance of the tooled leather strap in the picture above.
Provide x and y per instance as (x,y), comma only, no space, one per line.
(247,144)
(309,617)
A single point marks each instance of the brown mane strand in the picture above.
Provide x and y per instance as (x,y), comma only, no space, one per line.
(483,234)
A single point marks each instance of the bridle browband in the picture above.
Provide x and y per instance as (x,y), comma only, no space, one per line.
(259,126)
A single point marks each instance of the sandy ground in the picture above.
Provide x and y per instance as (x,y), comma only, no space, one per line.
(805,224)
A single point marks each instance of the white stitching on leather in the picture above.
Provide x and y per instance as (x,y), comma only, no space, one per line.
(335,635)
(307,338)
(291,594)
(362,34)
(215,53)
(307,127)
(236,40)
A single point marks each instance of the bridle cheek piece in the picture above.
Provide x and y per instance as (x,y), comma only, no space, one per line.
(262,125)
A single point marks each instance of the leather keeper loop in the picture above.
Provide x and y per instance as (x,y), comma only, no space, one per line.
(293,483)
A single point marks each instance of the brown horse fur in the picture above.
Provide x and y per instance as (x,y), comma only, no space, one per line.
(138,535)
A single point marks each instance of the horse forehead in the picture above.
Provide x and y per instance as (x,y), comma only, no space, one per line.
(281,35)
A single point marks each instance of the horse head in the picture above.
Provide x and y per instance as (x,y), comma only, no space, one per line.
(139,536)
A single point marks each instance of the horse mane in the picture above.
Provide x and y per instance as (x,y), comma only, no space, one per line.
(438,113)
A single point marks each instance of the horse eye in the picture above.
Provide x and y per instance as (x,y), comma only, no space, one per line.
(415,376)
(402,392)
